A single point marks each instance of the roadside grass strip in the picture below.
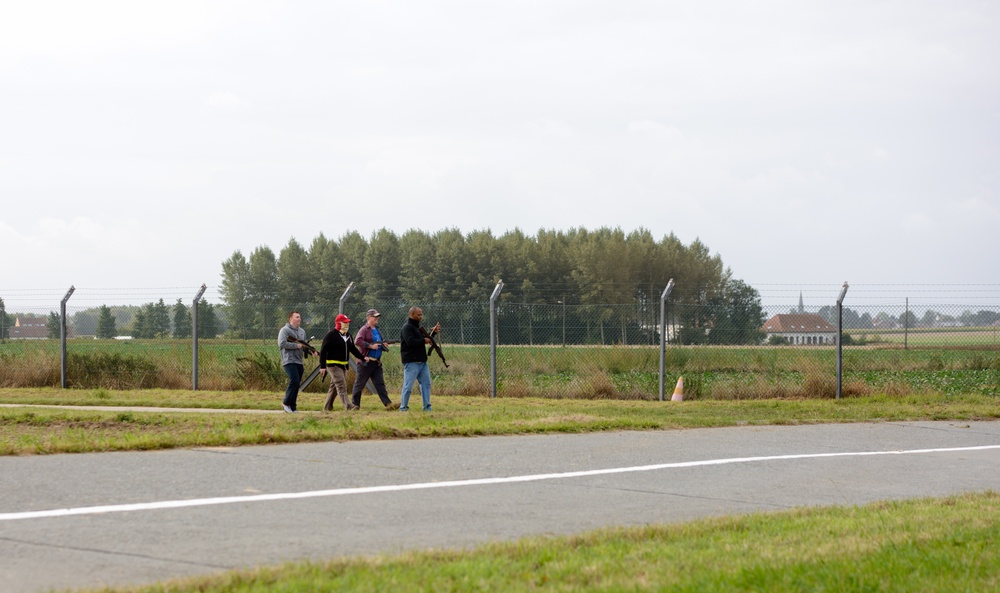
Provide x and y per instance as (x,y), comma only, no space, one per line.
(42,430)
(933,544)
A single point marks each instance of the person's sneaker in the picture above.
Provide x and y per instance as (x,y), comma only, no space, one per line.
(391,406)
(287,409)
(352,407)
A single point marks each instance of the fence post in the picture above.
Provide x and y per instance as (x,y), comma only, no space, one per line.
(343,297)
(663,334)
(62,333)
(493,338)
(563,301)
(194,338)
(840,339)
(906,325)
(340,309)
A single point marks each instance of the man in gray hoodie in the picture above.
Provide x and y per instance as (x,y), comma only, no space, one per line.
(291,358)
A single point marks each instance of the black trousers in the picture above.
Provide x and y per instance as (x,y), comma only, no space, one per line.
(370,371)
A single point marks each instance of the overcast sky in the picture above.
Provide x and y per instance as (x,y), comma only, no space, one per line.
(142,143)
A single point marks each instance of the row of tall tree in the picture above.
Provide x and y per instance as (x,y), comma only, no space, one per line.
(578,267)
(150,320)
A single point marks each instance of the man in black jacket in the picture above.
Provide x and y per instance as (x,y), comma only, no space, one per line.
(413,351)
(333,359)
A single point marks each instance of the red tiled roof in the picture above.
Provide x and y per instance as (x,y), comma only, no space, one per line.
(29,329)
(797,323)
(28,332)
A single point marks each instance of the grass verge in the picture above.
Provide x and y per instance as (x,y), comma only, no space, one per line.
(944,544)
(43,430)
(584,372)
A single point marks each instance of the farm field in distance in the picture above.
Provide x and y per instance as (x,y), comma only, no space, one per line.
(971,337)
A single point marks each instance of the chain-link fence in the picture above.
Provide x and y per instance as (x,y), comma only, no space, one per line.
(556,349)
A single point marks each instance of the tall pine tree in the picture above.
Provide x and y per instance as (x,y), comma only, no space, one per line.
(106,323)
(182,320)
(4,322)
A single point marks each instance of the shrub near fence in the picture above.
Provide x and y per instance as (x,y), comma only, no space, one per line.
(561,350)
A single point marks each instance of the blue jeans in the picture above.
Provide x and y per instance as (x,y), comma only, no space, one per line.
(421,373)
(294,372)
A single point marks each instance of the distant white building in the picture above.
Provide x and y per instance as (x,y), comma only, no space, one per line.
(801,329)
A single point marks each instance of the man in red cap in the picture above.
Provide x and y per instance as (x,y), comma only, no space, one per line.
(371,344)
(337,343)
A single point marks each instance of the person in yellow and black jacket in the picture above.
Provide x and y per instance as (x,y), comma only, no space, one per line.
(337,343)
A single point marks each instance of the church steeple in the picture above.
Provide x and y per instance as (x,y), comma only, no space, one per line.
(802,308)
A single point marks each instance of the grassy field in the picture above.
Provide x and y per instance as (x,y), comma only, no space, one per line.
(928,545)
(27,430)
(970,337)
(622,373)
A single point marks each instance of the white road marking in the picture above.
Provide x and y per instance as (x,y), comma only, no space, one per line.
(197,502)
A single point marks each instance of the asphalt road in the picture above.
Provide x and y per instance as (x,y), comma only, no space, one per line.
(199,511)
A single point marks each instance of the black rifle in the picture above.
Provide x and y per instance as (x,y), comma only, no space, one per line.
(434,346)
(305,345)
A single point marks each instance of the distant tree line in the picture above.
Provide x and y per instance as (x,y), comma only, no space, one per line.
(148,321)
(577,269)
(931,318)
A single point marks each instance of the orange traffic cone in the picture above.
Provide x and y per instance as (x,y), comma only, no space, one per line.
(678,395)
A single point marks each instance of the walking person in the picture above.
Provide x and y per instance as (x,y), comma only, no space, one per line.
(413,351)
(333,357)
(371,345)
(291,359)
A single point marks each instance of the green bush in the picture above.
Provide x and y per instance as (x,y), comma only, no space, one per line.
(260,371)
(111,370)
